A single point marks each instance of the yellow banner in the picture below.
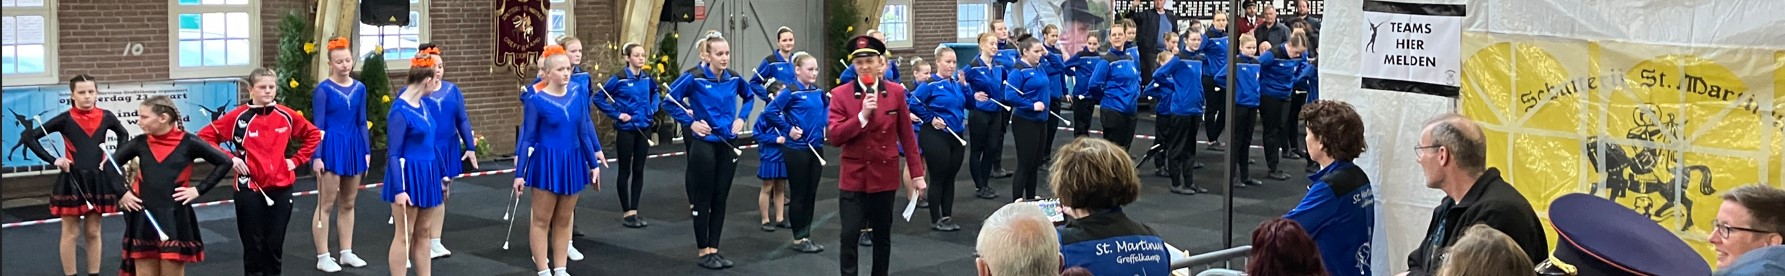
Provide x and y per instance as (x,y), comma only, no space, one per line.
(1662,129)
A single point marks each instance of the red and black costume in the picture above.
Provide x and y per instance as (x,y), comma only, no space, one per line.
(82,133)
(166,162)
(870,172)
(260,135)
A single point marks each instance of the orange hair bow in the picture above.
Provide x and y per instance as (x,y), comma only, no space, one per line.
(552,51)
(337,43)
(421,61)
(432,51)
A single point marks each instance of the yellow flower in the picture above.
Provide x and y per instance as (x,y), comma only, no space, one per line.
(380,50)
(597,68)
(368,124)
(300,113)
(309,47)
(293,83)
(675,35)
(386,100)
(665,59)
(849,29)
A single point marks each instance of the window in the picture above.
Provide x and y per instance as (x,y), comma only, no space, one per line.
(400,42)
(972,20)
(30,37)
(214,37)
(559,21)
(895,21)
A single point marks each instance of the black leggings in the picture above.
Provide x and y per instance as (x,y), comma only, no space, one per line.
(803,173)
(1083,110)
(1118,128)
(1180,149)
(262,229)
(986,144)
(1241,145)
(1029,151)
(710,169)
(1214,108)
(942,158)
(633,146)
(1299,129)
(1273,113)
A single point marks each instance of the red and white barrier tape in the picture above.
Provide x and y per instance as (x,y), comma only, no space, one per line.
(362,187)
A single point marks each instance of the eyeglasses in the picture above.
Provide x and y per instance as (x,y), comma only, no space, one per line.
(1723,229)
(1421,149)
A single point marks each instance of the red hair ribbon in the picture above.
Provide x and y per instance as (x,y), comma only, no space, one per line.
(337,43)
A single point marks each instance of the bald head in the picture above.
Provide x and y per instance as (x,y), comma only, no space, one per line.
(1461,137)
(1018,239)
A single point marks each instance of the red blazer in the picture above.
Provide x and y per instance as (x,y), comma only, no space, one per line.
(870,153)
(269,131)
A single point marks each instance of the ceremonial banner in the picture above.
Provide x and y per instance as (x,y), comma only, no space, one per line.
(200,102)
(520,34)
(1662,129)
(1411,47)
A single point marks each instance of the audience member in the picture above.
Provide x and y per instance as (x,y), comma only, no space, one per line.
(1094,179)
(1764,261)
(1016,240)
(1453,156)
(1281,247)
(1751,217)
(1484,251)
(1338,210)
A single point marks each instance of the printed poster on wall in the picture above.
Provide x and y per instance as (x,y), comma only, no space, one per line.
(1411,47)
(199,101)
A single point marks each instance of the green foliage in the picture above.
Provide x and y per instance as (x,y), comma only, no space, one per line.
(839,21)
(663,65)
(293,64)
(378,94)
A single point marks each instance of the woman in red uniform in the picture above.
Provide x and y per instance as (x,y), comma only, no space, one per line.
(259,132)
(161,233)
(82,190)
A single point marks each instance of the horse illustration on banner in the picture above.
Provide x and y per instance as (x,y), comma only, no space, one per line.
(1625,172)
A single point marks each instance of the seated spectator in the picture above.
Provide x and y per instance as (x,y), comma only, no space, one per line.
(1453,156)
(1094,179)
(1484,251)
(1280,247)
(1751,217)
(1338,210)
(1016,241)
(1076,271)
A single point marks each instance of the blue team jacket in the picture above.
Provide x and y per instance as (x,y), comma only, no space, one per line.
(765,134)
(1310,81)
(1338,212)
(630,93)
(1083,65)
(714,97)
(1108,243)
(946,99)
(1246,82)
(1120,83)
(1024,87)
(1278,73)
(1055,64)
(806,107)
(986,77)
(1178,85)
(1214,52)
(772,67)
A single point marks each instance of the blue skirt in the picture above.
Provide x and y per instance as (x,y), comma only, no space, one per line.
(560,171)
(772,170)
(449,153)
(421,178)
(343,150)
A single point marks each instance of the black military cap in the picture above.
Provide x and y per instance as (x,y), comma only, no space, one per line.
(1601,237)
(866,46)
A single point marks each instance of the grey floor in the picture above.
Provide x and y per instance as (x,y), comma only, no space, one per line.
(474,226)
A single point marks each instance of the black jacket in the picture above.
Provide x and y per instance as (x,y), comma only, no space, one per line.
(1147,21)
(1490,201)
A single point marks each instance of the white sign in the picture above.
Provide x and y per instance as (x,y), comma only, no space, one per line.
(1411,47)
(30,30)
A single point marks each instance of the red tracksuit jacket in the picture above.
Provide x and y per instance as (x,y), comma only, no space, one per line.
(269,129)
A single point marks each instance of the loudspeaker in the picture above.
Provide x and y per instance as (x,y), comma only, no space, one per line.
(384,12)
(678,11)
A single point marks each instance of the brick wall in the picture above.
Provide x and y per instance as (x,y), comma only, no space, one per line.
(92,33)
